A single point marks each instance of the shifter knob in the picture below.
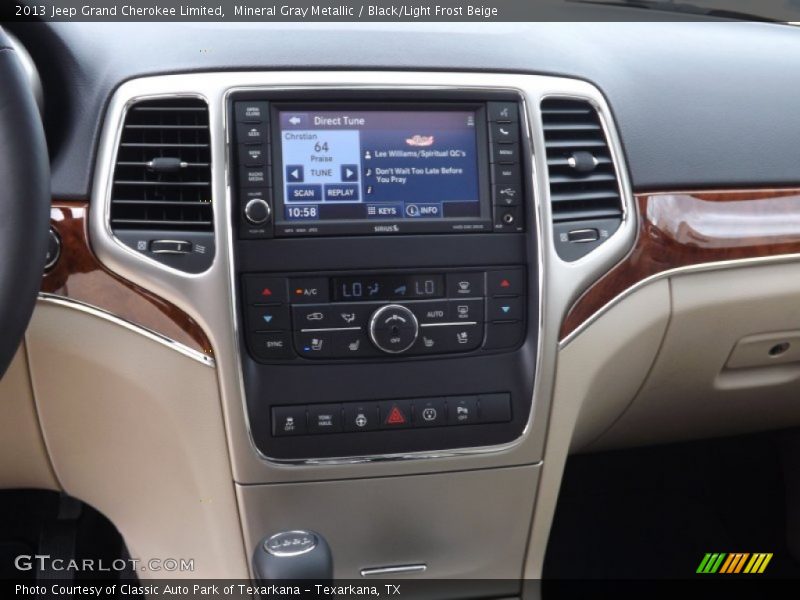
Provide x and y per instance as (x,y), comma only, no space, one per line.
(292,555)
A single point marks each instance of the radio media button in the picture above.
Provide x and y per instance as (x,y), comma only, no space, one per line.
(264,290)
(271,345)
(430,412)
(311,317)
(462,410)
(503,112)
(312,290)
(430,312)
(272,318)
(507,194)
(251,111)
(395,414)
(251,133)
(495,408)
(501,336)
(503,132)
(351,344)
(253,155)
(325,418)
(463,285)
(361,416)
(313,344)
(254,177)
(505,153)
(506,309)
(350,315)
(289,420)
(463,338)
(506,282)
(466,310)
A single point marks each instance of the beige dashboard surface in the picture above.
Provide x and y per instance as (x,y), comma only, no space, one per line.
(135,429)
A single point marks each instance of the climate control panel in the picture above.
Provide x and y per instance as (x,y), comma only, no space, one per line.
(383,315)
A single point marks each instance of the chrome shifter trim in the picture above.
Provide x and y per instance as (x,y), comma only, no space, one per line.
(210,297)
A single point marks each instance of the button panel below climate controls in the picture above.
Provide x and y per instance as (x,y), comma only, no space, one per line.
(391,414)
(385,315)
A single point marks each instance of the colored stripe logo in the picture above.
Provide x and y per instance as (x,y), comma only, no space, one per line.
(734,562)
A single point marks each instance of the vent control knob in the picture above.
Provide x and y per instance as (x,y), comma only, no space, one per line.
(393,328)
(257,211)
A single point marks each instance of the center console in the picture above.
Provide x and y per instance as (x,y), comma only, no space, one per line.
(385,270)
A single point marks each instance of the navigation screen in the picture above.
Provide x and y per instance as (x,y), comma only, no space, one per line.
(340,165)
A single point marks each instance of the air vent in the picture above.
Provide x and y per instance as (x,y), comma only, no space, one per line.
(161,201)
(584,187)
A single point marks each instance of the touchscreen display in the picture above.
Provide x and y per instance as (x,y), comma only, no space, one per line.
(362,165)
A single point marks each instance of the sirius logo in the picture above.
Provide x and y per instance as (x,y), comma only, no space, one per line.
(386,228)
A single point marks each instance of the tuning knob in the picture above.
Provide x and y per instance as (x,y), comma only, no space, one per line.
(393,328)
(257,211)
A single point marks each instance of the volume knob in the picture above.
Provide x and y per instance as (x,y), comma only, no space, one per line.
(393,328)
(257,211)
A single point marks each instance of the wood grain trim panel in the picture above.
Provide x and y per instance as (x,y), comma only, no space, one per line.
(680,229)
(80,276)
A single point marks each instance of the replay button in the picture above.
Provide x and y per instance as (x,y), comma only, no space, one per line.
(291,543)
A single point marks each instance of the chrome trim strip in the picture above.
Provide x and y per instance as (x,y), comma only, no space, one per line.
(559,283)
(144,331)
(399,570)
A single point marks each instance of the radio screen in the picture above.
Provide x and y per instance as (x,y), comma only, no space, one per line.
(373,165)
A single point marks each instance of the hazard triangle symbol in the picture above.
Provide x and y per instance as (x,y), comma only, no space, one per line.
(395,417)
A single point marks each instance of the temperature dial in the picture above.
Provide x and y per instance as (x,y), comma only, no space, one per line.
(393,328)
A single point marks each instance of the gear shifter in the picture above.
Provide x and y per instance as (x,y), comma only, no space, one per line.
(292,555)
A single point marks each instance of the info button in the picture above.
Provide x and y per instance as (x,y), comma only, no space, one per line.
(423,211)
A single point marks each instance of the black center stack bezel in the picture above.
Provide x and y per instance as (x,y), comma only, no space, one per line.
(300,405)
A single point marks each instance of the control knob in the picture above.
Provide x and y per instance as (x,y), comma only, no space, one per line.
(393,328)
(257,211)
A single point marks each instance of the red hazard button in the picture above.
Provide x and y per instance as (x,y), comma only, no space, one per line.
(395,414)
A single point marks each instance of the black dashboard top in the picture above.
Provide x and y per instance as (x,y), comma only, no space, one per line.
(697,105)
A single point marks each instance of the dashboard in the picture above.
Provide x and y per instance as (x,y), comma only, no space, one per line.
(420,275)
